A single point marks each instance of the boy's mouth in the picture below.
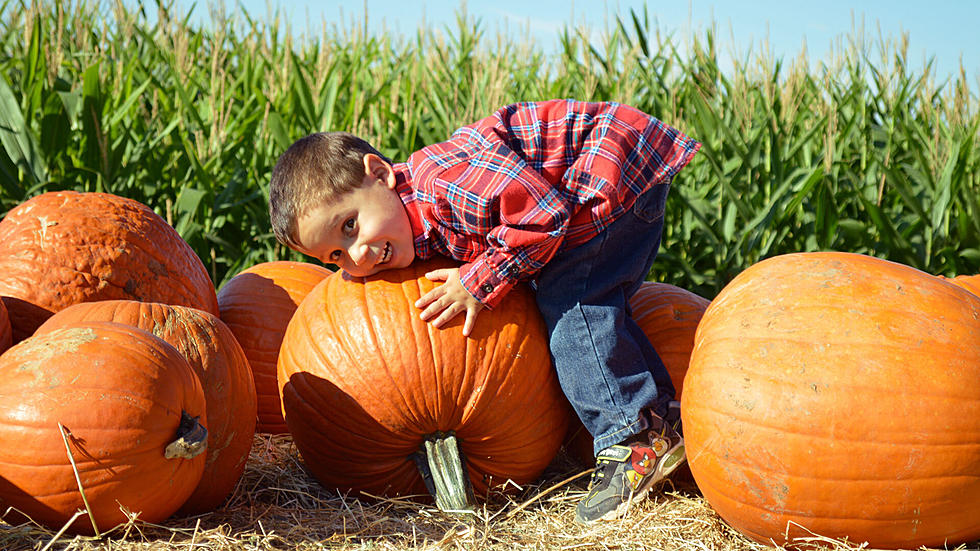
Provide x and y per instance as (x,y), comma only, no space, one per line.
(386,253)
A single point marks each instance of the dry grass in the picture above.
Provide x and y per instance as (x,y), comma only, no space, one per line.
(278,505)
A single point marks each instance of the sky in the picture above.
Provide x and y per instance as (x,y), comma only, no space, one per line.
(945,30)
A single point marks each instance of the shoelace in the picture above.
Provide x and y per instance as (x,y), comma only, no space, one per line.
(599,472)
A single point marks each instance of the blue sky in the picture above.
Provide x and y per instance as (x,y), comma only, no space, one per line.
(943,29)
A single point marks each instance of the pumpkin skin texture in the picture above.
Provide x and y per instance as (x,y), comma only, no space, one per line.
(217,359)
(668,316)
(257,304)
(65,247)
(364,381)
(838,392)
(119,392)
(6,338)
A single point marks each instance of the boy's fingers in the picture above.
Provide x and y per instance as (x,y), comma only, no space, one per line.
(438,275)
(446,316)
(429,297)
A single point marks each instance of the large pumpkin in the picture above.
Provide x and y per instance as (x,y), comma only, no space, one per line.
(124,398)
(212,351)
(668,316)
(365,383)
(61,248)
(5,334)
(257,304)
(838,393)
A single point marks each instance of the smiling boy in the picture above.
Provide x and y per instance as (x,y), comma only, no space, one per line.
(568,196)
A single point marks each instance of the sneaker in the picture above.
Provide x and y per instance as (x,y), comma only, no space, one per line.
(624,473)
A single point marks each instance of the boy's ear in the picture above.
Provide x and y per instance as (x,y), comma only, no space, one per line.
(377,167)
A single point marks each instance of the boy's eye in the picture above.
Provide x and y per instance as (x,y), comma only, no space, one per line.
(349,224)
(334,256)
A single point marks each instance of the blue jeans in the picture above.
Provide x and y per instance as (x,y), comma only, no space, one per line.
(606,365)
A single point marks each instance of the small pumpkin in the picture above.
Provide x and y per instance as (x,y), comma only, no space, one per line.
(132,413)
(6,339)
(836,393)
(215,356)
(64,247)
(668,316)
(366,385)
(257,304)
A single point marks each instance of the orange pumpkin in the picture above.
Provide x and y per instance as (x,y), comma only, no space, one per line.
(668,316)
(838,393)
(257,304)
(364,382)
(64,247)
(212,351)
(5,335)
(122,396)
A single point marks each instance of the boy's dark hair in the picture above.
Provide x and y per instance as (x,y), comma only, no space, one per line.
(315,169)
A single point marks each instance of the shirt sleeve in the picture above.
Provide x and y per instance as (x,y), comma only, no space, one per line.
(528,218)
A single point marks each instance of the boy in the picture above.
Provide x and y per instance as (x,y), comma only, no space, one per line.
(566,195)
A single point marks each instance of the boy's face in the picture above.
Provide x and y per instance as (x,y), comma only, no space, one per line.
(364,232)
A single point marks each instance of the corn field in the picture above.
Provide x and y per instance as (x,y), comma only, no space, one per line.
(860,153)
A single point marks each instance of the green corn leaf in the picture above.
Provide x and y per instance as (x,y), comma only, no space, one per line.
(19,142)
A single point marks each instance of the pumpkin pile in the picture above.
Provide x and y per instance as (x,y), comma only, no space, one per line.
(827,393)
(124,393)
(214,354)
(106,407)
(837,394)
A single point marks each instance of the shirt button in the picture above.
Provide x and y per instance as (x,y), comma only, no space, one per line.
(487,288)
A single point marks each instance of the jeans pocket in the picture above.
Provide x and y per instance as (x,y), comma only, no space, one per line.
(650,206)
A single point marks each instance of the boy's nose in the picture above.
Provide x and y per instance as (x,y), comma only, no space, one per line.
(358,252)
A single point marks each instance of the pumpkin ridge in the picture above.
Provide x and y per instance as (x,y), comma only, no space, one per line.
(507,366)
(351,346)
(386,368)
(412,290)
(471,407)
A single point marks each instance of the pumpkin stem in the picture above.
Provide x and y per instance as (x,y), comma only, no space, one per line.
(192,438)
(443,469)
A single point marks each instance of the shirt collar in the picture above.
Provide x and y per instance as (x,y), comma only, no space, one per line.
(403,185)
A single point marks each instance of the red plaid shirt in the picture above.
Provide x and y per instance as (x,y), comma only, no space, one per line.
(506,193)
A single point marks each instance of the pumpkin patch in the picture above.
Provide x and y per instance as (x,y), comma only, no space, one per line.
(836,394)
(366,386)
(110,402)
(257,305)
(64,247)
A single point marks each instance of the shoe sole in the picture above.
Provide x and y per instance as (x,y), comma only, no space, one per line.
(675,457)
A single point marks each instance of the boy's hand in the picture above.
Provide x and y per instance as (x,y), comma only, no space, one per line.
(448,300)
